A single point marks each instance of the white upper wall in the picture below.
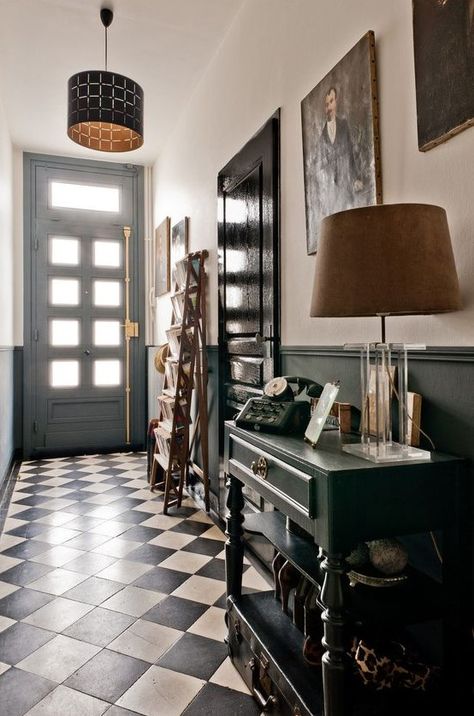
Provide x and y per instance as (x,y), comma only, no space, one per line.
(6,233)
(275,52)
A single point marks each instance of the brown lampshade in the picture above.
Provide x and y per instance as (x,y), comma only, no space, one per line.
(385,259)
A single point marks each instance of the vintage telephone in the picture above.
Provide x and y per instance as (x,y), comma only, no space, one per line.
(277,411)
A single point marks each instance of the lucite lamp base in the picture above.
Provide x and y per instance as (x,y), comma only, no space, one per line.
(388,452)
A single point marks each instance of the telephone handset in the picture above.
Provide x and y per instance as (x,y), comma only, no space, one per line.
(277,411)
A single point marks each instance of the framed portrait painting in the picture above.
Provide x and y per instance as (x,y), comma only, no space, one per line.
(443,34)
(179,241)
(341,151)
(162,257)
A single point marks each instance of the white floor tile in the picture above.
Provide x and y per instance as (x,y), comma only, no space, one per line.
(189,562)
(7,541)
(68,702)
(133,601)
(162,522)
(172,540)
(56,535)
(57,581)
(214,533)
(59,658)
(117,547)
(228,676)
(6,588)
(145,640)
(4,667)
(56,519)
(253,580)
(5,622)
(110,528)
(200,589)
(8,562)
(211,624)
(161,691)
(58,614)
(57,556)
(124,571)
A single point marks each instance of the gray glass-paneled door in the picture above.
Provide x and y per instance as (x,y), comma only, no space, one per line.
(84,356)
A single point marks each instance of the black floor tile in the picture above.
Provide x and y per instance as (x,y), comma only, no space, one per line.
(27,549)
(76,484)
(161,579)
(80,508)
(100,626)
(34,513)
(215,569)
(34,500)
(23,487)
(211,547)
(141,534)
(20,640)
(79,495)
(149,554)
(190,527)
(20,691)
(24,573)
(107,675)
(19,604)
(194,655)
(214,700)
(129,502)
(121,491)
(116,480)
(133,517)
(31,529)
(176,613)
(93,590)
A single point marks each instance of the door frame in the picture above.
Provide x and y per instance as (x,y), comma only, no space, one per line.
(272,126)
(139,396)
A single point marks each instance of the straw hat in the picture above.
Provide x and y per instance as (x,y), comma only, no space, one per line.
(160,357)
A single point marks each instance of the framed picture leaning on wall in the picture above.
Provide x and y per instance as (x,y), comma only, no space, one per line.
(443,35)
(162,257)
(179,241)
(341,152)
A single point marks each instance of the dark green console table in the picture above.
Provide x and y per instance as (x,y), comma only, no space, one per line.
(339,500)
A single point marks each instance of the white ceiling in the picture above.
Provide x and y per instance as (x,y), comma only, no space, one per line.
(164,45)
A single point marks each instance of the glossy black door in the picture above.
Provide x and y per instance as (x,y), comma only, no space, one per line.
(249,307)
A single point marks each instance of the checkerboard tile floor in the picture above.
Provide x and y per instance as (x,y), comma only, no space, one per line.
(107,606)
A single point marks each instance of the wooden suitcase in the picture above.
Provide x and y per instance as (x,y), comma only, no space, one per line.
(282,683)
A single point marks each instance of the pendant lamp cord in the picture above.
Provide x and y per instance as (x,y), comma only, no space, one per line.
(106,48)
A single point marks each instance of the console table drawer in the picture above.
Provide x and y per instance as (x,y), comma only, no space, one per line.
(283,479)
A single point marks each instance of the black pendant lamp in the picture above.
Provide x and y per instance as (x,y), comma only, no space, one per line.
(105,109)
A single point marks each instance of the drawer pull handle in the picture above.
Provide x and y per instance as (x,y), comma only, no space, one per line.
(260,468)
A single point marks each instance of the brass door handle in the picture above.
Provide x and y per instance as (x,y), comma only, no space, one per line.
(260,468)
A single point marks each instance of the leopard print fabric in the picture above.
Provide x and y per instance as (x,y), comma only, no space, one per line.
(390,667)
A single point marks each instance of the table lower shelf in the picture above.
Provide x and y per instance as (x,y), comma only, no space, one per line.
(416,600)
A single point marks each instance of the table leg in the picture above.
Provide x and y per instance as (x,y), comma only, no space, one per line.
(333,670)
(234,547)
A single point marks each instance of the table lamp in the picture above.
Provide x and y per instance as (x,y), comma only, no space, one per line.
(390,259)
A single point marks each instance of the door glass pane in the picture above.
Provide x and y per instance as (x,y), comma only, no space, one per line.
(64,291)
(106,293)
(64,333)
(107,254)
(107,372)
(63,251)
(64,373)
(106,333)
(83,196)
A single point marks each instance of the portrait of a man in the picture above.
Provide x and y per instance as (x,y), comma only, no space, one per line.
(444,68)
(340,140)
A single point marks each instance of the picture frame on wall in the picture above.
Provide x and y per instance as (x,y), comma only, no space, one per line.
(443,39)
(162,258)
(179,241)
(341,152)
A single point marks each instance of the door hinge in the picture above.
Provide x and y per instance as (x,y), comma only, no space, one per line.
(35,244)
(35,334)
(35,426)
(131,329)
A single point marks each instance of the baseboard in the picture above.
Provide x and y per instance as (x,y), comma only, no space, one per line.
(7,484)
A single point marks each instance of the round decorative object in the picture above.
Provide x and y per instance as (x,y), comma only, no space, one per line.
(278,389)
(160,358)
(389,556)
